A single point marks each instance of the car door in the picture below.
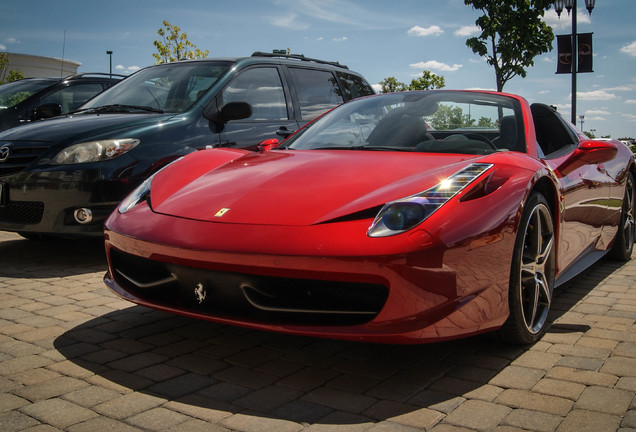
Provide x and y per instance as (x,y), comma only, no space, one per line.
(584,186)
(262,87)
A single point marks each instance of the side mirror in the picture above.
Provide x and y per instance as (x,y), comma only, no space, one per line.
(46,111)
(229,111)
(267,145)
(587,153)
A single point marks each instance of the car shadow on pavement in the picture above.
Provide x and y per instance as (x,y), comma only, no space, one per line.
(51,257)
(214,371)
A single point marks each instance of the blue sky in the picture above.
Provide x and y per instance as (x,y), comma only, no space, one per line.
(379,39)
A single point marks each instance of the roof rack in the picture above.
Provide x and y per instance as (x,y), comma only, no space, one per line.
(297,57)
(78,75)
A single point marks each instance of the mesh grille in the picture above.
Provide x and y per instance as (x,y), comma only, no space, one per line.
(22,212)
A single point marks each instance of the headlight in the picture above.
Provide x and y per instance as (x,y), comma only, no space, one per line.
(141,192)
(401,215)
(94,151)
(136,196)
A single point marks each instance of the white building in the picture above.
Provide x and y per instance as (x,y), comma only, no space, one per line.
(36,66)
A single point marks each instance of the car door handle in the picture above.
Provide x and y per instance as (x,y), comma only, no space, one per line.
(284,132)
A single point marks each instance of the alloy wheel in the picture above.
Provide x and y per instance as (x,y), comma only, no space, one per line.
(537,269)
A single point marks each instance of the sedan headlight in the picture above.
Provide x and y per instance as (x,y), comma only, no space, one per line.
(94,151)
(401,215)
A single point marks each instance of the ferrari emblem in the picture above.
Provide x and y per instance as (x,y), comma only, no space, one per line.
(221,212)
(199,291)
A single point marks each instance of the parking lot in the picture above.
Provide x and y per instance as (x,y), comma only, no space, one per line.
(74,357)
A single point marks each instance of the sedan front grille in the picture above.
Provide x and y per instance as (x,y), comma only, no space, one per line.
(20,155)
(22,212)
(246,296)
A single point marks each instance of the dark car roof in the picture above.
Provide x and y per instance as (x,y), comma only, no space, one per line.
(263,57)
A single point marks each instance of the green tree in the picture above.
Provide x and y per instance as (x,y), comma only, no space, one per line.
(8,76)
(512,35)
(391,85)
(174,45)
(450,117)
(428,81)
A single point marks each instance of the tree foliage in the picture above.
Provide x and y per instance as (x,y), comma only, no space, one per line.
(512,35)
(427,81)
(8,76)
(174,45)
(391,85)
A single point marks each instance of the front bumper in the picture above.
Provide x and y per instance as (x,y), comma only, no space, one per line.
(45,201)
(430,293)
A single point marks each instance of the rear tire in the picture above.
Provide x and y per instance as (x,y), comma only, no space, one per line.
(624,241)
(531,275)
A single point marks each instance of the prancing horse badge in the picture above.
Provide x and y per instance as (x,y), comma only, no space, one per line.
(221,212)
(199,291)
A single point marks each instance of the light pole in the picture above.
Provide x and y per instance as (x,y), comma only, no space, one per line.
(110,61)
(569,5)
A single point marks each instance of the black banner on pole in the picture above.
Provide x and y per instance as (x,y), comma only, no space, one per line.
(584,58)
(564,48)
(585,52)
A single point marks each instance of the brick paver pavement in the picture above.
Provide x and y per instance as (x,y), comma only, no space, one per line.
(73,357)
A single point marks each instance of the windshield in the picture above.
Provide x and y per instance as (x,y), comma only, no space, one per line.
(172,87)
(428,121)
(15,92)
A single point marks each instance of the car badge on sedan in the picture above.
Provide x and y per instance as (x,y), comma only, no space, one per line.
(4,153)
(199,291)
(221,212)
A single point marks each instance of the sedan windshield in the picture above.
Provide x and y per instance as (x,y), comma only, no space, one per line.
(426,121)
(15,92)
(172,87)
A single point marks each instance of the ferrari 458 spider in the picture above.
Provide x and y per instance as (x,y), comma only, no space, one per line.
(398,218)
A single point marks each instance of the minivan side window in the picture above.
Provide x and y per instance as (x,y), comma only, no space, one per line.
(354,86)
(317,91)
(262,88)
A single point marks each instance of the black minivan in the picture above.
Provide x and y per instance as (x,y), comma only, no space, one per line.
(63,176)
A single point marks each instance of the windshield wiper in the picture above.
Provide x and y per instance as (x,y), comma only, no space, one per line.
(118,108)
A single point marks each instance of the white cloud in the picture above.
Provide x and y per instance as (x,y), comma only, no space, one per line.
(467,31)
(630,101)
(341,39)
(435,65)
(630,49)
(426,31)
(595,95)
(597,112)
(2,47)
(620,88)
(126,70)
(289,21)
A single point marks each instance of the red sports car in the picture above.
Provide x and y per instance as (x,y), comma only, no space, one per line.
(398,218)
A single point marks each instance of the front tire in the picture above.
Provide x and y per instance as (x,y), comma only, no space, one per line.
(624,241)
(532,274)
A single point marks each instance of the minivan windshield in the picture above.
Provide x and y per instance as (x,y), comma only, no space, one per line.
(171,87)
(15,92)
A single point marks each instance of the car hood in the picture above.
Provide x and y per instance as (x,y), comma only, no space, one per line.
(301,187)
(77,128)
